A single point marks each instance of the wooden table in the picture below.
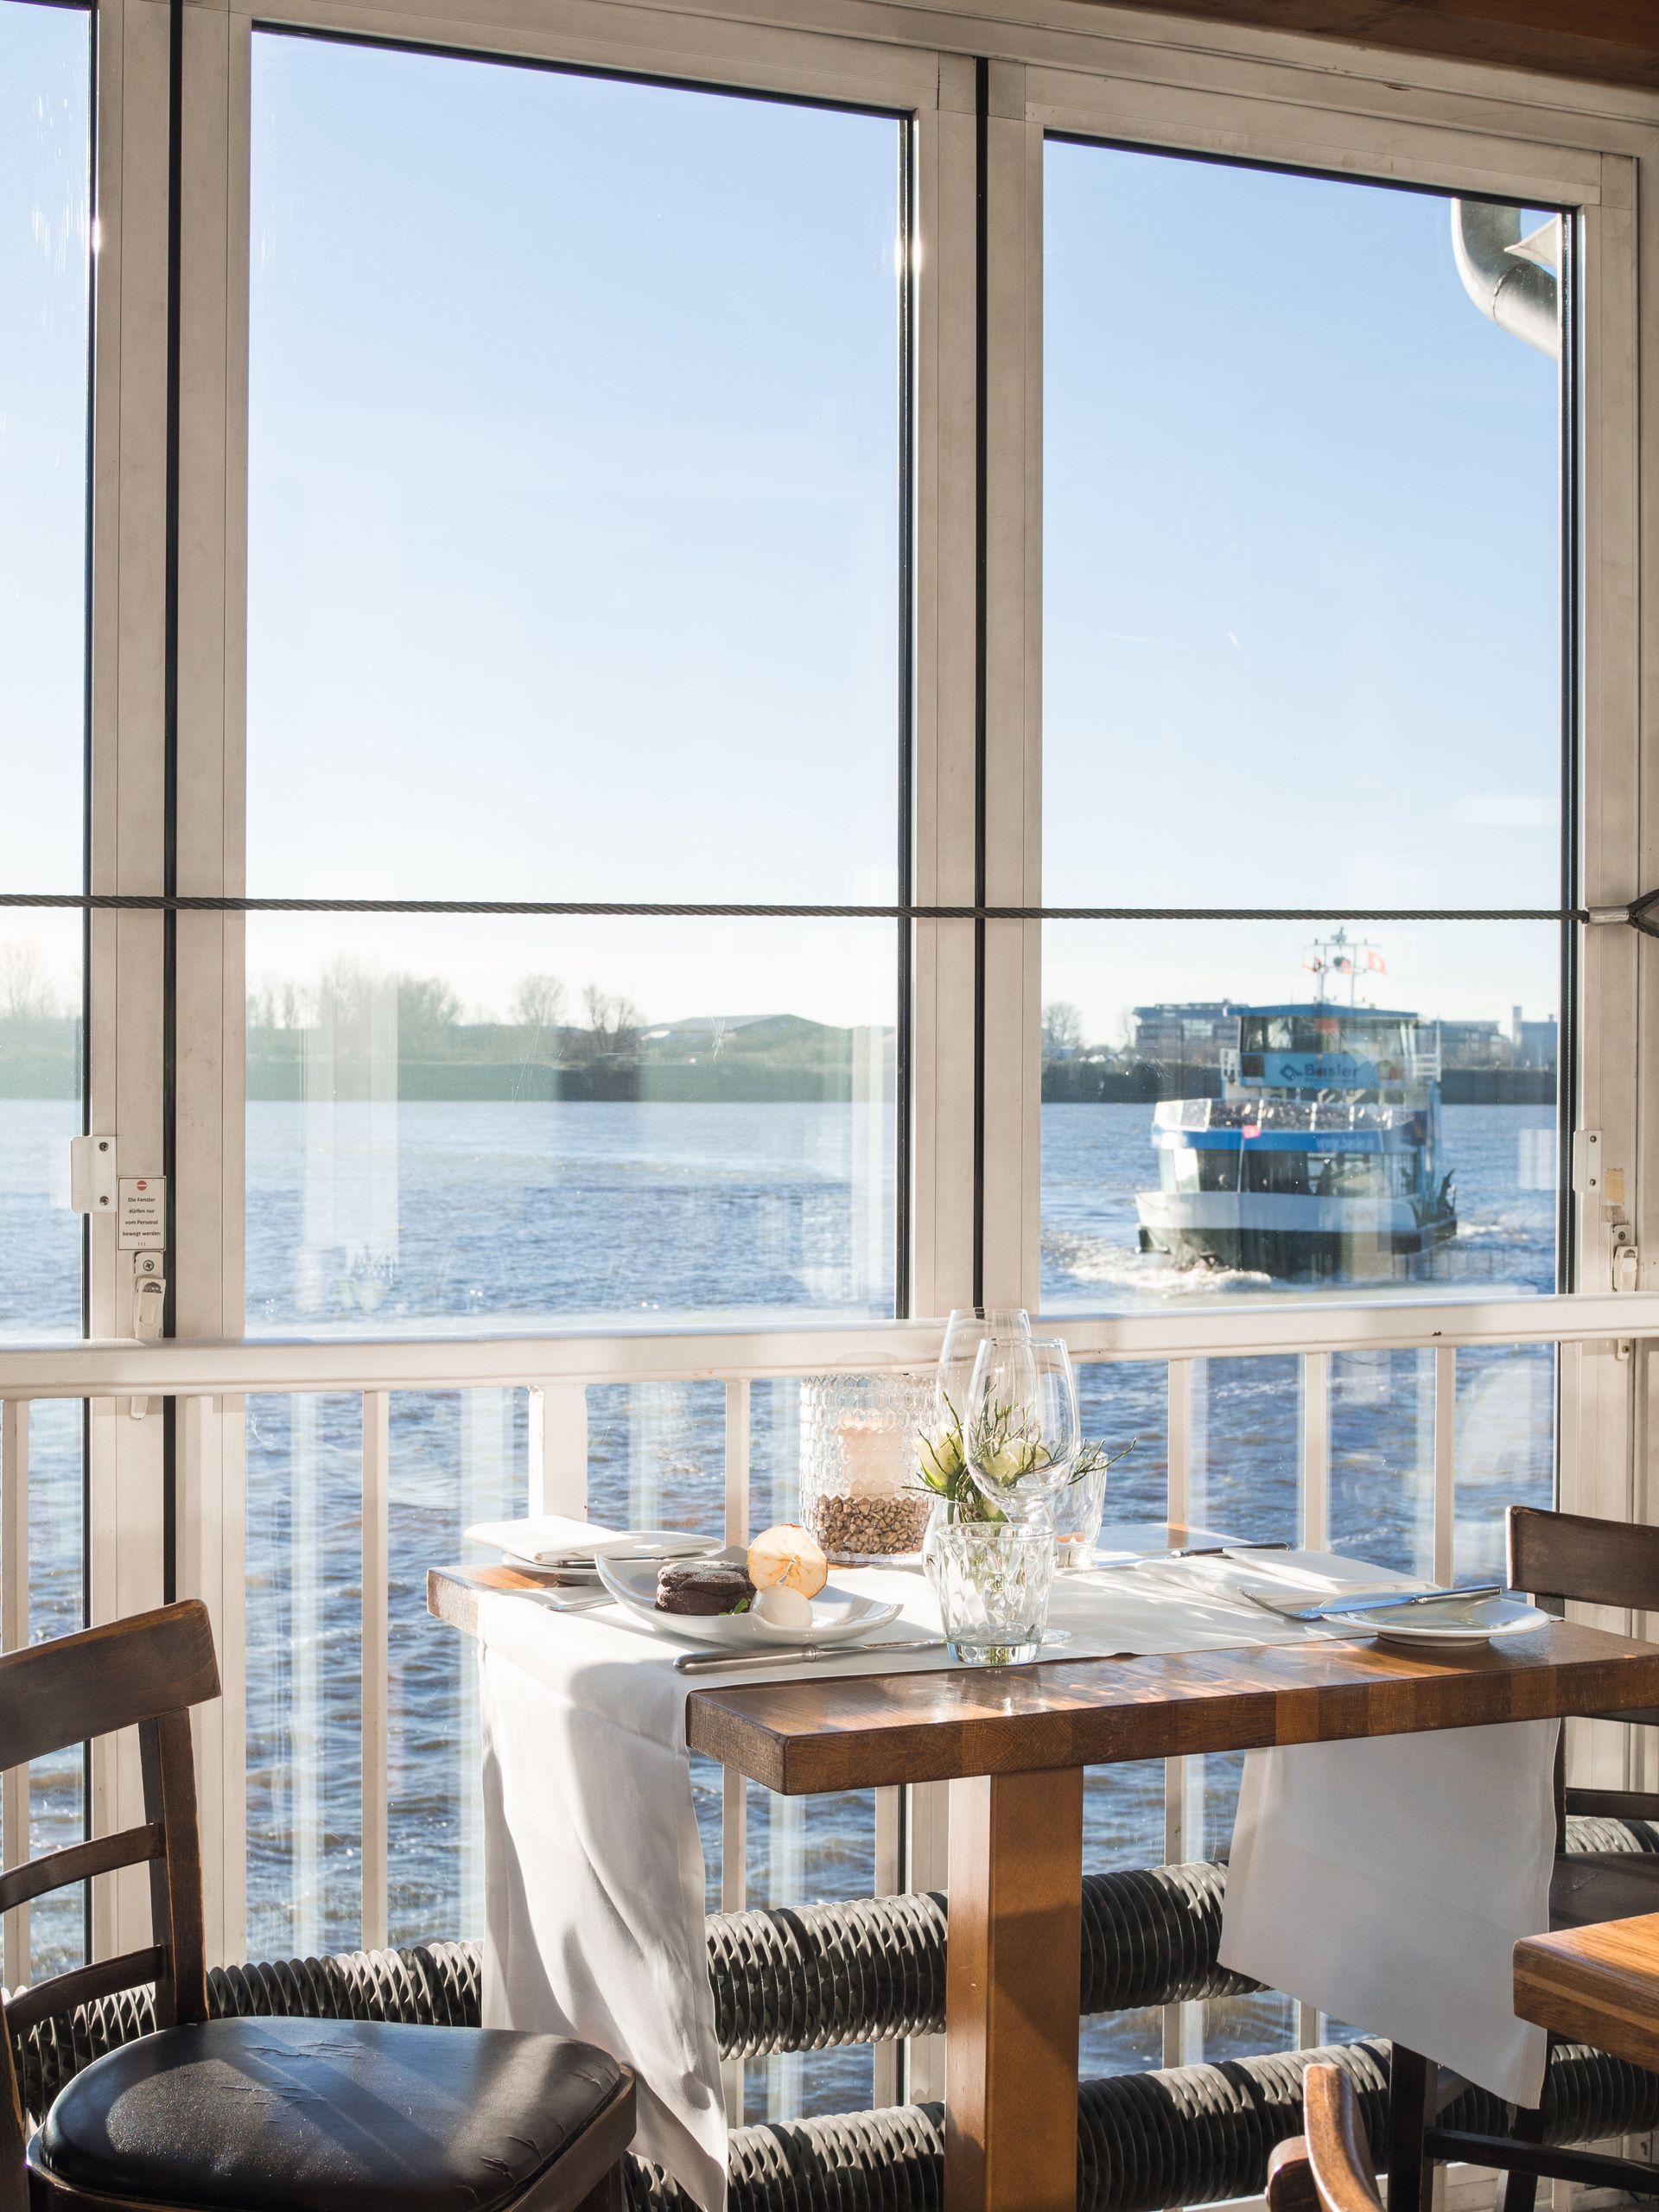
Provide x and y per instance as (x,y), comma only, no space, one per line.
(1013,1745)
(1599,1985)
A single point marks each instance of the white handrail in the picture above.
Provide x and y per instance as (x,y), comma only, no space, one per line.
(1235,1329)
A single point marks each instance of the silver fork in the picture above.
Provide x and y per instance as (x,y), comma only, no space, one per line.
(1337,1608)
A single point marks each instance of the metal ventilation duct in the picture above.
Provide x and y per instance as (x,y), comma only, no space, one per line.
(1512,279)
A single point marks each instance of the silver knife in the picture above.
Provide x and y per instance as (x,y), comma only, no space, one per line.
(705,1662)
(1202,1550)
(1376,1602)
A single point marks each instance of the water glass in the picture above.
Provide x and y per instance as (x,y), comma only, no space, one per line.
(992,1580)
(1078,1510)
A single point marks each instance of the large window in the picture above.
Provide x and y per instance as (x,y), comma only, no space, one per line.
(1302,586)
(1302,611)
(699,609)
(44,251)
(575,528)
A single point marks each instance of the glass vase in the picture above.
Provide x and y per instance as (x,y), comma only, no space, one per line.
(992,1580)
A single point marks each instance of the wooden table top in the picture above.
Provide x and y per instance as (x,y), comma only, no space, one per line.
(1599,1985)
(868,1730)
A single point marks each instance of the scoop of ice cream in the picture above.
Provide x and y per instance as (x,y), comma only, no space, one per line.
(783,1607)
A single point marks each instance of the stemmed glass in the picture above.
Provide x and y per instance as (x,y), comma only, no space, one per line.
(1022,1430)
(968,1328)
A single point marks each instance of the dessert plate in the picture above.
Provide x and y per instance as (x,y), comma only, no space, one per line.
(1476,1620)
(839,1615)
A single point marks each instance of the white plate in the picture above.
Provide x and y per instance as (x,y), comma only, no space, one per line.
(839,1615)
(1478,1620)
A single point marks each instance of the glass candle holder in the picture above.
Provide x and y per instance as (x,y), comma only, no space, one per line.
(992,1580)
(860,1499)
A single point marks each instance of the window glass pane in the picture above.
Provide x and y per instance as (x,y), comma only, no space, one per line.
(473,1121)
(1222,1117)
(1383,1458)
(40,1112)
(574,487)
(304,1675)
(457,1458)
(57,1794)
(1301,564)
(45,154)
(1505,1447)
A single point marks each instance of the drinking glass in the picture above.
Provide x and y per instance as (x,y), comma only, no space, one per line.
(1022,1431)
(992,1579)
(1079,1508)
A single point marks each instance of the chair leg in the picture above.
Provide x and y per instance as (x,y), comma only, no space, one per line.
(1411,2088)
(610,2195)
(1519,2192)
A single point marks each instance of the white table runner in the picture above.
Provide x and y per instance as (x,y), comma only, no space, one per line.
(593,1874)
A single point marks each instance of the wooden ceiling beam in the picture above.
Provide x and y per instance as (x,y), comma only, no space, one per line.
(1608,42)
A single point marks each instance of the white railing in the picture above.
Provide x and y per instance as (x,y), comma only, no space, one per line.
(557,1370)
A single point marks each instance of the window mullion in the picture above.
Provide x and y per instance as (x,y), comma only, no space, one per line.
(209,1079)
(942,1211)
(1012,615)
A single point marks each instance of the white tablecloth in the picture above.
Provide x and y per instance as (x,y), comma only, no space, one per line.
(1387,1881)
(593,1874)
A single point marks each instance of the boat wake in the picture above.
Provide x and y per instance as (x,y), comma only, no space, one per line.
(1068,1254)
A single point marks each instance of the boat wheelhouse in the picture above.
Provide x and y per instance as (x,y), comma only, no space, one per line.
(1320,1157)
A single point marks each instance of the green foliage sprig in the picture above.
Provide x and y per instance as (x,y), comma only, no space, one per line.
(942,1462)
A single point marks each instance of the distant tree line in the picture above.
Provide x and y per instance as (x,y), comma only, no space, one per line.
(356,1033)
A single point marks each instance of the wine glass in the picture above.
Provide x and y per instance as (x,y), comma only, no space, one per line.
(1022,1431)
(967,1329)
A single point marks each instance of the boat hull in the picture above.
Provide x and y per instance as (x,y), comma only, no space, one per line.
(1273,1236)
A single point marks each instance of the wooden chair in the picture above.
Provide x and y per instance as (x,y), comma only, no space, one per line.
(1558,1559)
(1328,2168)
(260,2115)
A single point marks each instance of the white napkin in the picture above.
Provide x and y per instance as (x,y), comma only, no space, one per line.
(550,1539)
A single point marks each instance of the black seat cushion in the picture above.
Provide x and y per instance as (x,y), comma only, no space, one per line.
(326,2116)
(1589,1886)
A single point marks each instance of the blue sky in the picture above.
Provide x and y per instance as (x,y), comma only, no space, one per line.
(573,558)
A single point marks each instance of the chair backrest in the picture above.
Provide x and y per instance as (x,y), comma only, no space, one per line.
(1328,2167)
(145,1672)
(1575,1558)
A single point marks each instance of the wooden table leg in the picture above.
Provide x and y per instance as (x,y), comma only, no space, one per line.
(1012,1990)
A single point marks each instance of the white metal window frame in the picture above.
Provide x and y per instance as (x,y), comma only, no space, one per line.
(1140,79)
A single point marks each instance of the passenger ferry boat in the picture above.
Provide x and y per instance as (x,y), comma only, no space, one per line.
(1321,1157)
